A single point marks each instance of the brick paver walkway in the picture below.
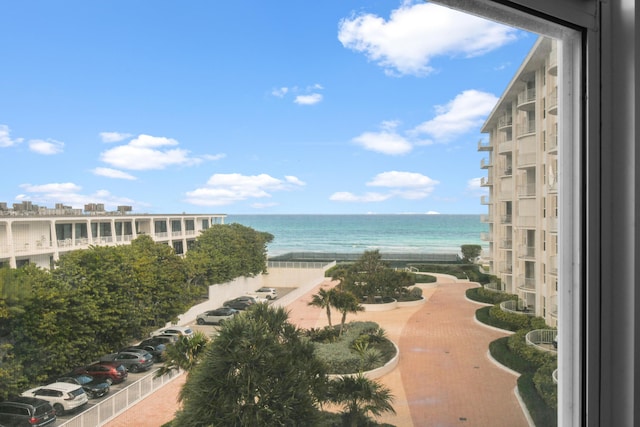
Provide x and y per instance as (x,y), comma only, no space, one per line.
(444,377)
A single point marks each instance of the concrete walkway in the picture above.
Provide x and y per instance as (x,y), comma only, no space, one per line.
(443,378)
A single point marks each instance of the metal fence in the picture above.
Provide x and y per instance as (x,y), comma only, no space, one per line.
(296,264)
(117,403)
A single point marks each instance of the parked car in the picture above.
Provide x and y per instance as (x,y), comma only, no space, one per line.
(64,397)
(267,293)
(183,331)
(117,373)
(159,339)
(241,303)
(24,411)
(134,360)
(217,316)
(94,387)
(157,351)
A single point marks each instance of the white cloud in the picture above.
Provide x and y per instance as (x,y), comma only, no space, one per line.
(69,194)
(466,112)
(114,136)
(404,185)
(280,92)
(47,148)
(384,142)
(224,189)
(5,138)
(148,152)
(417,33)
(311,99)
(113,173)
(345,196)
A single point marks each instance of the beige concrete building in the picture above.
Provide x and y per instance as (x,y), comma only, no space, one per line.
(32,234)
(522,170)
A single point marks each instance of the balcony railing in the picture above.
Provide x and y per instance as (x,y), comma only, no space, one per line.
(486,218)
(552,224)
(553,306)
(527,251)
(506,244)
(508,171)
(552,265)
(505,146)
(486,237)
(517,307)
(506,268)
(527,190)
(554,375)
(485,163)
(494,287)
(482,146)
(505,219)
(527,284)
(526,127)
(526,97)
(505,121)
(526,159)
(485,181)
(552,142)
(552,102)
(485,200)
(542,339)
(526,221)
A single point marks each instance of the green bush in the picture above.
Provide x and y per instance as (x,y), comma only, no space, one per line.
(516,321)
(481,294)
(542,414)
(543,380)
(483,315)
(425,278)
(517,344)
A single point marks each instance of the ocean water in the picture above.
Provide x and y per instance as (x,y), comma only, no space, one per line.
(432,234)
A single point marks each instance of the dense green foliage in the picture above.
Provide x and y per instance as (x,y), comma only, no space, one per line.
(461,271)
(483,295)
(344,354)
(470,252)
(259,371)
(98,300)
(370,277)
(183,354)
(359,397)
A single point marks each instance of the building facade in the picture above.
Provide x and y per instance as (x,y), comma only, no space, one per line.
(522,179)
(32,234)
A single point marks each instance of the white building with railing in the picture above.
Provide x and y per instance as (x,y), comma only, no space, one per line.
(40,236)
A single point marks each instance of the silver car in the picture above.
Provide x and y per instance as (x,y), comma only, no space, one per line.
(217,316)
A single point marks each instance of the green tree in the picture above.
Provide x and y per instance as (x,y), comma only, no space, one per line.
(258,371)
(345,302)
(224,252)
(324,299)
(183,354)
(470,252)
(359,397)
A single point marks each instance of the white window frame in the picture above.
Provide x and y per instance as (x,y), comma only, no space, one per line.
(599,375)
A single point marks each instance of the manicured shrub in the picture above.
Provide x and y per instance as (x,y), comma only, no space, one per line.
(481,294)
(517,321)
(518,345)
(543,380)
(425,278)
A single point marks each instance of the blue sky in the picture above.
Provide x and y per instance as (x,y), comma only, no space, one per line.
(255,107)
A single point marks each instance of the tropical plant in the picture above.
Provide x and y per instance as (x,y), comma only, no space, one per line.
(359,397)
(345,302)
(183,354)
(324,299)
(258,371)
(470,252)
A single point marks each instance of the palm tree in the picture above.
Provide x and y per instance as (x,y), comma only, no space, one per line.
(359,396)
(183,354)
(324,299)
(345,302)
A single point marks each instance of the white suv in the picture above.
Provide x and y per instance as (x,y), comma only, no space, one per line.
(179,331)
(266,293)
(62,396)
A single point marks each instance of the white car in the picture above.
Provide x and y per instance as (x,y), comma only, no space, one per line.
(62,396)
(265,293)
(217,316)
(183,331)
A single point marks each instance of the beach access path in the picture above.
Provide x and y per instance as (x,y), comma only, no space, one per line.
(444,376)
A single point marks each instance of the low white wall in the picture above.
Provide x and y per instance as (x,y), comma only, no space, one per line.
(302,279)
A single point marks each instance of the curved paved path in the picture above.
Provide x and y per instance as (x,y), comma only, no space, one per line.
(444,377)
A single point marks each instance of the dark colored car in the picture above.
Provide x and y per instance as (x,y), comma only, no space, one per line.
(117,373)
(240,303)
(24,411)
(159,339)
(157,350)
(134,360)
(218,316)
(94,387)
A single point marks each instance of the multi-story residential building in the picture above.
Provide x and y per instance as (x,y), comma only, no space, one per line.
(32,234)
(522,171)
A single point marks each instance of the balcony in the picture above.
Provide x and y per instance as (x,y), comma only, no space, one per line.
(486,218)
(505,219)
(505,146)
(543,339)
(552,265)
(506,244)
(485,163)
(485,200)
(554,375)
(527,159)
(517,307)
(527,99)
(505,121)
(552,102)
(527,284)
(552,224)
(527,252)
(506,268)
(486,237)
(526,127)
(553,306)
(527,190)
(486,181)
(525,221)
(552,187)
(552,142)
(484,146)
(494,287)
(553,62)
